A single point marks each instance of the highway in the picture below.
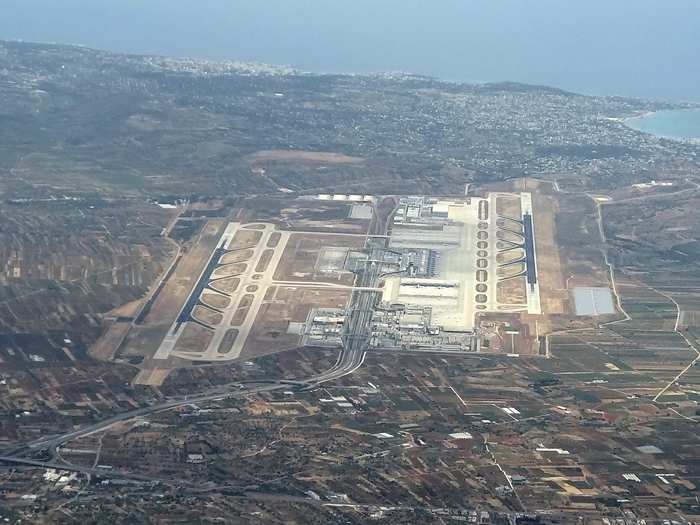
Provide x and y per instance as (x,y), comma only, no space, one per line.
(356,336)
(50,443)
(357,329)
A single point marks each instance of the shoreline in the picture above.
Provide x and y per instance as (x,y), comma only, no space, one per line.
(628,121)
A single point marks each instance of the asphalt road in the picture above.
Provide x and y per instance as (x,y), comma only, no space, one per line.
(357,329)
(356,336)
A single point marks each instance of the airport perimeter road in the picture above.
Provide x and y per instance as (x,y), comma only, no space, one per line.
(357,333)
(50,443)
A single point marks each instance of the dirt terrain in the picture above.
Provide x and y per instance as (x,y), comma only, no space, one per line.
(303,156)
(301,256)
(285,304)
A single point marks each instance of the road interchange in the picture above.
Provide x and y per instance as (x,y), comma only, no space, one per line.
(43,452)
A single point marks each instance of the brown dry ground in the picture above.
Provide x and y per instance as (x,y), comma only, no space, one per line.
(215,300)
(358,227)
(509,225)
(227,285)
(246,301)
(236,257)
(264,260)
(206,316)
(194,338)
(151,376)
(130,309)
(282,306)
(553,294)
(144,339)
(242,310)
(229,270)
(508,206)
(303,156)
(227,342)
(512,291)
(510,255)
(108,344)
(274,239)
(515,335)
(508,236)
(239,316)
(245,238)
(300,258)
(510,270)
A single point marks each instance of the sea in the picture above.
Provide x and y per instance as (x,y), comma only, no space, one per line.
(634,48)
(677,124)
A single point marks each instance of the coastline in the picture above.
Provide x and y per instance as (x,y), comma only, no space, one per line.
(630,123)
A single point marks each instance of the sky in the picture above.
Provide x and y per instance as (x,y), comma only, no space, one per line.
(642,48)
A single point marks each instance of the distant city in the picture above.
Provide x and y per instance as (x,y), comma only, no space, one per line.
(598,47)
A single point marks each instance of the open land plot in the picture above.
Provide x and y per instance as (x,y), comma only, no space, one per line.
(107,345)
(508,206)
(511,271)
(264,260)
(274,240)
(285,305)
(227,342)
(303,156)
(240,315)
(206,316)
(582,356)
(194,339)
(229,270)
(509,237)
(143,338)
(215,300)
(648,309)
(226,285)
(236,257)
(512,291)
(185,276)
(303,253)
(244,239)
(505,257)
(323,217)
(549,265)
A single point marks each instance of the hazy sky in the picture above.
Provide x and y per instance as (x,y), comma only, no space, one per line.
(631,47)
